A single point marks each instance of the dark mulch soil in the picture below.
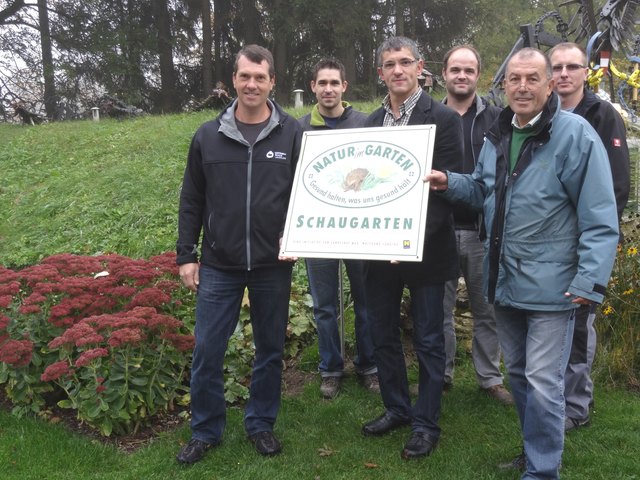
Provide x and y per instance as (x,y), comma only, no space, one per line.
(293,382)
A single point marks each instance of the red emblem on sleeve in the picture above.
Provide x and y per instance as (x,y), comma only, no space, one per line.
(616,142)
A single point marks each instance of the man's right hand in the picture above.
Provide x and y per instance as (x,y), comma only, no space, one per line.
(438,181)
(189,274)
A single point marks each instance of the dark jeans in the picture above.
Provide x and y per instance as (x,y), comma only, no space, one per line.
(217,309)
(384,286)
(324,285)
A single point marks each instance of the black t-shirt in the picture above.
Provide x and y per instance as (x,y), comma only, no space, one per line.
(464,217)
(250,131)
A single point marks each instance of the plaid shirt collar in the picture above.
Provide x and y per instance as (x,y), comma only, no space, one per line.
(405,110)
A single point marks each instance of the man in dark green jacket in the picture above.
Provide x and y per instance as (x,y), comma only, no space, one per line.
(331,112)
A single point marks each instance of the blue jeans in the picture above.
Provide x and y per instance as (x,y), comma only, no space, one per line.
(324,285)
(536,348)
(218,304)
(384,286)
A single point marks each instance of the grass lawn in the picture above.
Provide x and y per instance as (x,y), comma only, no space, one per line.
(322,440)
(85,188)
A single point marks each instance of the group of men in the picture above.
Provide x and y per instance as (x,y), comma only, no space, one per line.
(523,207)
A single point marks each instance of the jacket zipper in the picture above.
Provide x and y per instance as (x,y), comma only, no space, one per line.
(248,208)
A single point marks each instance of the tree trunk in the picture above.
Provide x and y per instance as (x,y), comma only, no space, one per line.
(129,39)
(220,19)
(165,50)
(281,11)
(251,24)
(207,64)
(50,99)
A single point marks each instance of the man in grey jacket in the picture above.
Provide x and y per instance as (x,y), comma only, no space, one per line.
(544,185)
(461,71)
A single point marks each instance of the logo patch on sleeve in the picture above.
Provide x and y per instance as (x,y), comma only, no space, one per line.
(617,142)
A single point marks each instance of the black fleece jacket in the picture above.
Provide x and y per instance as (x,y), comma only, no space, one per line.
(237,194)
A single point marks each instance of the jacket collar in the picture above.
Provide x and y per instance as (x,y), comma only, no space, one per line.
(229,127)
(479,101)
(317,120)
(422,108)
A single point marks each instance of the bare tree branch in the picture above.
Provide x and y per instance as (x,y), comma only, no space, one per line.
(13,8)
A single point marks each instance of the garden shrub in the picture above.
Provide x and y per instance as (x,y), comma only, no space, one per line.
(618,323)
(104,333)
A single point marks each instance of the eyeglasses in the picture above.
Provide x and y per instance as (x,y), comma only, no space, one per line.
(571,67)
(404,63)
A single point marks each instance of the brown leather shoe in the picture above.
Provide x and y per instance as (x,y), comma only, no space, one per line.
(518,463)
(371,383)
(499,394)
(330,387)
(571,424)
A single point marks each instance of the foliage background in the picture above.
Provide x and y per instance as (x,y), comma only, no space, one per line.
(60,57)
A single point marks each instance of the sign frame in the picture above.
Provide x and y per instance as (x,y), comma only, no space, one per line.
(358,194)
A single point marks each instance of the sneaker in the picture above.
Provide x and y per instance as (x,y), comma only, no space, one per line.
(519,463)
(193,451)
(371,383)
(499,394)
(266,443)
(330,386)
(571,424)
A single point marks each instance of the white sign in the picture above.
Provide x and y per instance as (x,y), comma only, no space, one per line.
(358,194)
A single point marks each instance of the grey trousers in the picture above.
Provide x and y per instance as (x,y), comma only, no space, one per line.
(578,386)
(485,348)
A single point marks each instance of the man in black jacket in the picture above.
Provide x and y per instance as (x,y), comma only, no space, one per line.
(399,64)
(461,71)
(569,66)
(235,194)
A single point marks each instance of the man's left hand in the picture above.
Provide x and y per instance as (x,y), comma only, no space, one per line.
(579,300)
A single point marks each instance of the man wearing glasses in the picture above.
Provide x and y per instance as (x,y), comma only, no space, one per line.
(399,64)
(544,185)
(569,65)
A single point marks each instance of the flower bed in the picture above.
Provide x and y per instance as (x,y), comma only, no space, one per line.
(103,335)
(101,332)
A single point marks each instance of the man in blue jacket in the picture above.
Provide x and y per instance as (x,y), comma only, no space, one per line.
(399,63)
(544,185)
(235,194)
(569,66)
(329,84)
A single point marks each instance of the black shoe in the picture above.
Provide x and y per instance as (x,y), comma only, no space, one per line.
(420,444)
(193,451)
(519,463)
(266,443)
(384,423)
(571,424)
